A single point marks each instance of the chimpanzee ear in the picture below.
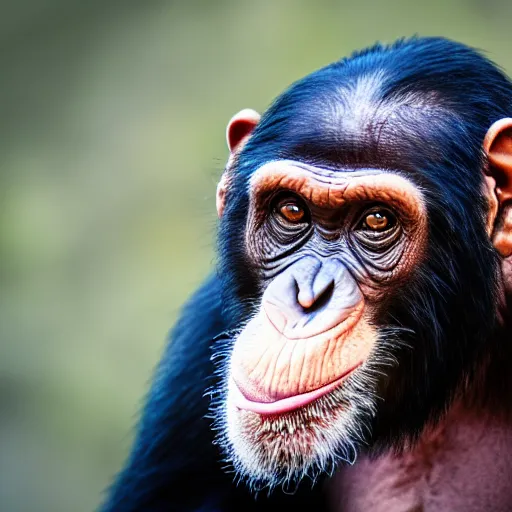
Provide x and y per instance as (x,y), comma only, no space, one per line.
(238,131)
(240,127)
(498,147)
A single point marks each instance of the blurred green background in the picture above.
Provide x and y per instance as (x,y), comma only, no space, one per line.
(112,119)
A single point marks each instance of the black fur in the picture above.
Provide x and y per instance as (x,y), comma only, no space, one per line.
(446,97)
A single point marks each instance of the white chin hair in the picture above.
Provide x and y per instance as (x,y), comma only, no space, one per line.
(279,450)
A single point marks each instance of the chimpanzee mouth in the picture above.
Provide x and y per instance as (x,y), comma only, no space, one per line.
(289,403)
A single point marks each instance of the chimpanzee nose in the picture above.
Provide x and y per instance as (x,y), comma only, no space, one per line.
(311,296)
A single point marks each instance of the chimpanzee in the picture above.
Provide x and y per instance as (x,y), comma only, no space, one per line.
(352,351)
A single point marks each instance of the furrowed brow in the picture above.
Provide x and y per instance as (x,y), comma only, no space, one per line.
(334,190)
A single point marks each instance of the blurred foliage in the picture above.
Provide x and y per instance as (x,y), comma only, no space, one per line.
(112,117)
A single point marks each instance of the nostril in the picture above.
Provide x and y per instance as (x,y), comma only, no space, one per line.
(319,301)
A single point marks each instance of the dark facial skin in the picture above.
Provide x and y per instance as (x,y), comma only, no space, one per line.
(341,212)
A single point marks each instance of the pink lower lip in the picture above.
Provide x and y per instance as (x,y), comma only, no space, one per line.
(286,404)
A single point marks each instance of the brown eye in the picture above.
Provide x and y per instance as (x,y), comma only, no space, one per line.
(379,220)
(292,212)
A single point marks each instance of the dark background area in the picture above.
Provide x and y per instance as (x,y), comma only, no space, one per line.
(112,122)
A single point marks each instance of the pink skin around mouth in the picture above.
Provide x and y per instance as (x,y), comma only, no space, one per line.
(286,404)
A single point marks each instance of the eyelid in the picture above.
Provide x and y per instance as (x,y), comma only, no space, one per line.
(283,196)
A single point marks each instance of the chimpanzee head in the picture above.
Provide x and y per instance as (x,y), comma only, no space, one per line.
(364,220)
